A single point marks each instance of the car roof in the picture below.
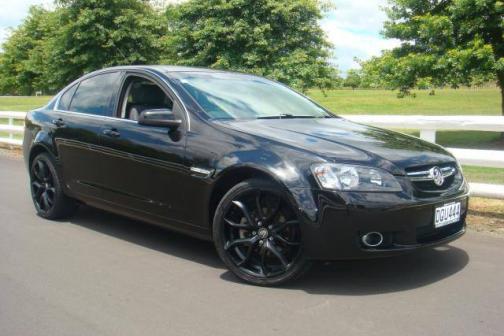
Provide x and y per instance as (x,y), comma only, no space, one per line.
(160,69)
(164,68)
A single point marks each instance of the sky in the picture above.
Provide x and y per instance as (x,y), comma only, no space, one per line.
(353,27)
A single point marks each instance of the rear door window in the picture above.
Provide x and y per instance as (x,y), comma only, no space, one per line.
(96,95)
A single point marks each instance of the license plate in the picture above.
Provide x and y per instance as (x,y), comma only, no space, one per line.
(447,214)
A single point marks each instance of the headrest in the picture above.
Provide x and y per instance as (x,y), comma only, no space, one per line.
(147,94)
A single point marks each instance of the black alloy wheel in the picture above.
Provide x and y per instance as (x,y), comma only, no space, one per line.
(257,234)
(47,194)
(42,184)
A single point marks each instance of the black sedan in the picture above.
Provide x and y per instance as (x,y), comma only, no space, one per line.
(272,178)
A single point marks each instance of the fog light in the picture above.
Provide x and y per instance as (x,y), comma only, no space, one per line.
(372,239)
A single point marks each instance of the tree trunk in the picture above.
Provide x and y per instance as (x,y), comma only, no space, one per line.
(502,100)
(500,81)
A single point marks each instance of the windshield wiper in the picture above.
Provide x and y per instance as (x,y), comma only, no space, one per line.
(288,116)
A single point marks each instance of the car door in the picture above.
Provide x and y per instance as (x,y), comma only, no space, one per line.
(145,166)
(78,119)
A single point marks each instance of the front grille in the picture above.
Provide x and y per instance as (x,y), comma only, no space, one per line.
(423,178)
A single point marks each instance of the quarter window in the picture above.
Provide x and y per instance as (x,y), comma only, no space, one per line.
(96,95)
(66,98)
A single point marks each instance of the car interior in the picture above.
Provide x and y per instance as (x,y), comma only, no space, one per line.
(142,94)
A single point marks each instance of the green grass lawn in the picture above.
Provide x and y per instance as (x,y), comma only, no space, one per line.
(13,103)
(484,175)
(445,102)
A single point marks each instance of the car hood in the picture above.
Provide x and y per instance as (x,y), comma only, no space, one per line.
(340,140)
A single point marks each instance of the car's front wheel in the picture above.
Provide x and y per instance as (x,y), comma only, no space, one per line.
(257,234)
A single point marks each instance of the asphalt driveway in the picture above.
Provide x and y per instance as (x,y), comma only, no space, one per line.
(101,274)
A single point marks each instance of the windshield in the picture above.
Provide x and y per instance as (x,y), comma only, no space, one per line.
(239,96)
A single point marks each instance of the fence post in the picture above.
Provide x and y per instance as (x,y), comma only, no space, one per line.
(11,123)
(428,135)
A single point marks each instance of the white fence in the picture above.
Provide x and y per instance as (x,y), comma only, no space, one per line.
(428,126)
(11,128)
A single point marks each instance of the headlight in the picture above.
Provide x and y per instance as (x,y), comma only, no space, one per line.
(354,178)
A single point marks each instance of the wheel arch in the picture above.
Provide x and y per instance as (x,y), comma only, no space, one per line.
(301,197)
(37,149)
(42,142)
(231,177)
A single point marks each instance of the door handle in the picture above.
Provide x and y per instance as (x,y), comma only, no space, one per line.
(58,122)
(112,132)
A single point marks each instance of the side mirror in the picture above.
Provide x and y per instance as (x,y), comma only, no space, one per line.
(160,118)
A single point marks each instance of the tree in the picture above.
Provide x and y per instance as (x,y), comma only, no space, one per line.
(444,42)
(353,79)
(51,48)
(371,73)
(24,60)
(274,38)
(278,39)
(101,33)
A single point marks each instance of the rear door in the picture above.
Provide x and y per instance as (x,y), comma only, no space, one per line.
(78,121)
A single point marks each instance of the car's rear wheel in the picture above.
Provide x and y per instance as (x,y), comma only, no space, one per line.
(46,189)
(257,234)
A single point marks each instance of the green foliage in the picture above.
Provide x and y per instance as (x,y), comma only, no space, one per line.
(353,79)
(24,60)
(444,42)
(281,40)
(278,39)
(51,48)
(102,33)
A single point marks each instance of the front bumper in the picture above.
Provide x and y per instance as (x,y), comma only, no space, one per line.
(406,225)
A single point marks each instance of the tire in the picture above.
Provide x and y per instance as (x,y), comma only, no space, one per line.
(46,189)
(261,245)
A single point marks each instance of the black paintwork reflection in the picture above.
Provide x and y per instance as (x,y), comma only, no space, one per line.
(341,140)
(147,163)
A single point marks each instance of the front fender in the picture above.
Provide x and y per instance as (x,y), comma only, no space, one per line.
(294,178)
